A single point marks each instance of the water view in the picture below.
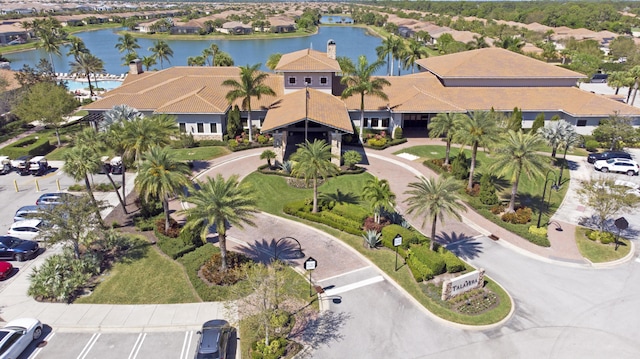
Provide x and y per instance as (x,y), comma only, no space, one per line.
(351,42)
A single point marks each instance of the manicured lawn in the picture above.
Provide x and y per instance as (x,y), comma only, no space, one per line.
(597,252)
(199,153)
(274,192)
(149,279)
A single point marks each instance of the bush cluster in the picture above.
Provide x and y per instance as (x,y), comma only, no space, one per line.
(302,209)
(409,237)
(602,237)
(522,215)
(30,146)
(274,350)
(452,263)
(542,231)
(433,260)
(175,248)
(212,273)
(371,225)
(174,228)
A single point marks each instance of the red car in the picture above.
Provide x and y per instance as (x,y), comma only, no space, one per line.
(5,269)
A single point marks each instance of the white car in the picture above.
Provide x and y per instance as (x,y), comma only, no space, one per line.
(621,165)
(28,229)
(16,336)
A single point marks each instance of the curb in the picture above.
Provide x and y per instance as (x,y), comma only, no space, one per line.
(617,262)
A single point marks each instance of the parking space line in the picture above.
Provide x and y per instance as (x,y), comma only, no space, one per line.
(39,348)
(344,274)
(88,346)
(186,344)
(137,345)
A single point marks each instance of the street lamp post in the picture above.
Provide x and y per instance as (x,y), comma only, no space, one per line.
(298,252)
(544,193)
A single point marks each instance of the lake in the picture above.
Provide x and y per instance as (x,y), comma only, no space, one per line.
(351,42)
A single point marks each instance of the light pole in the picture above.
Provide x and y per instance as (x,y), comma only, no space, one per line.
(298,253)
(544,193)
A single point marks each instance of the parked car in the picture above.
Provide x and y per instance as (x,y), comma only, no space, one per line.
(27,212)
(5,269)
(17,249)
(27,229)
(621,165)
(16,336)
(593,157)
(5,165)
(53,198)
(39,166)
(214,340)
(599,78)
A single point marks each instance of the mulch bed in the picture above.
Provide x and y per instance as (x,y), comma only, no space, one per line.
(125,221)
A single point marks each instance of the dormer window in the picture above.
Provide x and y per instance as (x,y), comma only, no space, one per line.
(292,80)
(307,81)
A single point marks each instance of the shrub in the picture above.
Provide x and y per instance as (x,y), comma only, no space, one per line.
(61,276)
(144,224)
(459,167)
(591,145)
(498,209)
(30,146)
(212,273)
(397,133)
(430,258)
(420,271)
(521,216)
(211,143)
(451,261)
(408,236)
(351,211)
(371,225)
(185,141)
(274,350)
(377,142)
(233,144)
(174,247)
(542,231)
(351,158)
(371,238)
(488,194)
(602,237)
(174,228)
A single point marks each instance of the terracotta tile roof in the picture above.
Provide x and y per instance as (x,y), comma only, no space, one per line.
(307,60)
(323,108)
(182,89)
(493,63)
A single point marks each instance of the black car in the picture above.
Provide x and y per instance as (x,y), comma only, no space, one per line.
(593,157)
(214,340)
(17,249)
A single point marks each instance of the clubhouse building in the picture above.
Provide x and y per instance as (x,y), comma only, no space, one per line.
(307,101)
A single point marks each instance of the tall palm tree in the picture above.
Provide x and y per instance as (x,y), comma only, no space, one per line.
(390,48)
(313,161)
(162,176)
(251,84)
(618,79)
(444,124)
(76,47)
(222,59)
(210,53)
(273,60)
(379,193)
(516,156)
(85,65)
(554,133)
(219,202)
(476,129)
(50,43)
(127,43)
(412,53)
(143,133)
(161,51)
(79,162)
(148,61)
(360,81)
(434,198)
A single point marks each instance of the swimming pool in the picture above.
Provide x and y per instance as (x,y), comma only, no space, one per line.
(84,85)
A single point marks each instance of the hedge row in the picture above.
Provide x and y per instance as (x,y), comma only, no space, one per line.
(420,271)
(300,209)
(409,237)
(28,146)
(453,263)
(351,211)
(174,247)
(433,260)
(386,145)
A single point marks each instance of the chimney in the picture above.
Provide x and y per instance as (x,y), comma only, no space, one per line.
(331,49)
(135,67)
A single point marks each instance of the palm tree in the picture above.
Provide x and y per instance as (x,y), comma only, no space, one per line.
(390,48)
(160,176)
(273,60)
(360,81)
(161,51)
(435,198)
(49,42)
(210,53)
(148,61)
(85,65)
(476,129)
(76,47)
(618,79)
(511,43)
(79,162)
(379,193)
(268,155)
(142,133)
(516,156)
(195,61)
(251,85)
(444,124)
(412,53)
(219,202)
(313,161)
(478,42)
(222,59)
(127,43)
(554,132)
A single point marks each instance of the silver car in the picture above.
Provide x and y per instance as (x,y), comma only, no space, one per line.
(16,336)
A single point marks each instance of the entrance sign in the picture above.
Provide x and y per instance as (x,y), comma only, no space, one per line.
(463,283)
